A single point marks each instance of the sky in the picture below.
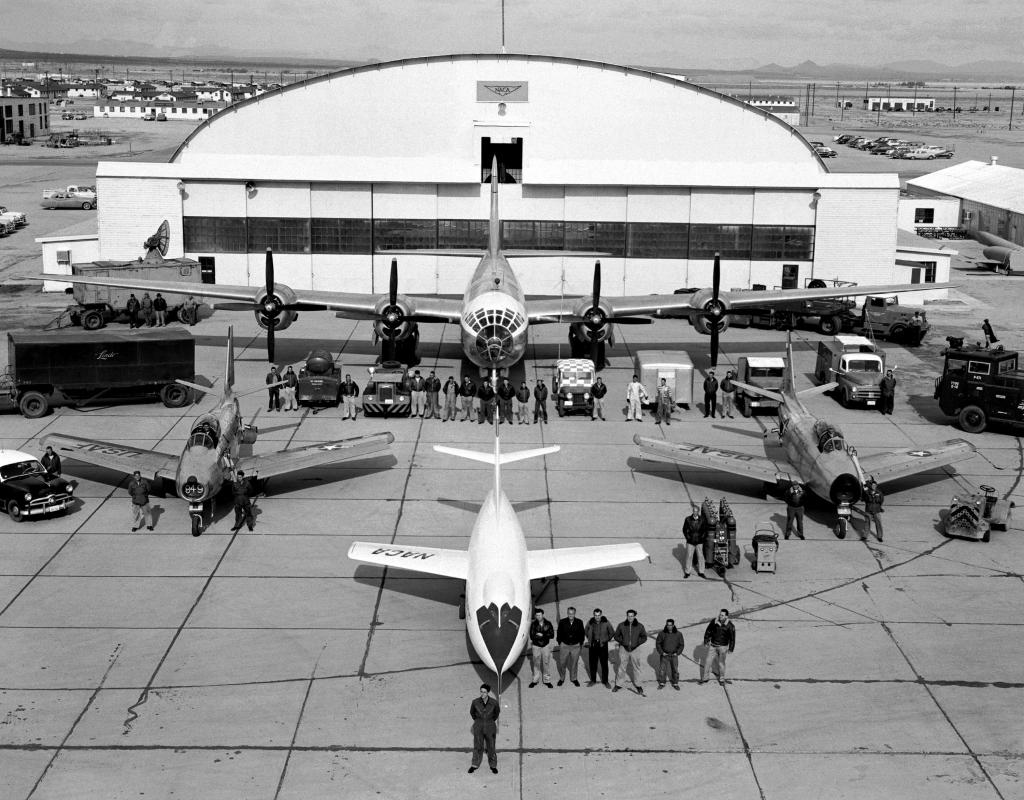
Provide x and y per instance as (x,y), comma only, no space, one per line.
(665,33)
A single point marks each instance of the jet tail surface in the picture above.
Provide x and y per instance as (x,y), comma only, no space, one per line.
(494,224)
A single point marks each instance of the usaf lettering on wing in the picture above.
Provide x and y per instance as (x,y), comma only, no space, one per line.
(711,451)
(108,451)
(401,553)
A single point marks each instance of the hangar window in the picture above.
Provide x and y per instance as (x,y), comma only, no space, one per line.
(782,242)
(510,160)
(469,233)
(404,234)
(280,234)
(341,235)
(925,216)
(608,237)
(527,234)
(731,241)
(214,234)
(657,239)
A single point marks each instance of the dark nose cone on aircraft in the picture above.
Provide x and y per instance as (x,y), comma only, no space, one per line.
(845,489)
(499,629)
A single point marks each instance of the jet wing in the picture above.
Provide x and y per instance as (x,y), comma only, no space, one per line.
(267,466)
(563,309)
(432,560)
(704,457)
(151,463)
(561,561)
(890,465)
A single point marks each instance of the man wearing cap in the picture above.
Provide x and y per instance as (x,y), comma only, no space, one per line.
(241,488)
(710,394)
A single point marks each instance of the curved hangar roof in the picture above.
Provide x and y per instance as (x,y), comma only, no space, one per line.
(421,120)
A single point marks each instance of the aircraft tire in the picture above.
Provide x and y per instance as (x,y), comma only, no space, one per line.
(197,525)
(840,529)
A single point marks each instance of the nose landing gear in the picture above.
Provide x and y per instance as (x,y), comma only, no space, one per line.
(197,513)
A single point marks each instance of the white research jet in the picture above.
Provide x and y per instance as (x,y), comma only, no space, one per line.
(493,314)
(497,567)
(211,453)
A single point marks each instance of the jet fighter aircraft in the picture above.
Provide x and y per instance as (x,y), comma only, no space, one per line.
(818,454)
(211,455)
(497,568)
(494,313)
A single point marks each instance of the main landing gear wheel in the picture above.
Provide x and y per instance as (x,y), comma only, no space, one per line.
(840,528)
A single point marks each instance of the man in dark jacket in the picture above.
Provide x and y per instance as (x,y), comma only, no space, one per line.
(719,641)
(241,490)
(570,638)
(542,634)
(888,388)
(138,488)
(990,334)
(132,309)
(873,499)
(795,495)
(630,635)
(728,388)
(523,403)
(419,394)
(484,711)
(693,535)
(146,309)
(160,308)
(710,394)
(670,645)
(273,381)
(51,463)
(598,391)
(540,401)
(506,394)
(466,394)
(598,633)
(486,397)
(349,395)
(291,384)
(433,387)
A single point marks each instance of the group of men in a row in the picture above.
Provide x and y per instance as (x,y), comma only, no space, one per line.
(150,311)
(432,400)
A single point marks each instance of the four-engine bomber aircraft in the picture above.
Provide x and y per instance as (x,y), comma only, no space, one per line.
(494,313)
(818,454)
(497,568)
(212,452)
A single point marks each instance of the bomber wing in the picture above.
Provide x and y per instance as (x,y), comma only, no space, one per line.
(706,457)
(561,561)
(271,464)
(890,465)
(151,463)
(431,560)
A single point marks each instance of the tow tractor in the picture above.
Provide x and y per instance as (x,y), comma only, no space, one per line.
(975,516)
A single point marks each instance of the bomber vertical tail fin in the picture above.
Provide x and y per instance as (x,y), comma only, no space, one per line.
(494,224)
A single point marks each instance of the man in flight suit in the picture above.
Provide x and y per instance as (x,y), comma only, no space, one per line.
(241,488)
(484,712)
(506,394)
(710,394)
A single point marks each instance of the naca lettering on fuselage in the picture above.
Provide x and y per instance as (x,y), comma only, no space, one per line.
(396,553)
(704,450)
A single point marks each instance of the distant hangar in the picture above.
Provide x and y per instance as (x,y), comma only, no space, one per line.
(654,171)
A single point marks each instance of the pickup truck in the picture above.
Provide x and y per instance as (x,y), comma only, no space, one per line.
(73,190)
(763,372)
(856,365)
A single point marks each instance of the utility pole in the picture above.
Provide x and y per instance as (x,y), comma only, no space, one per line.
(502,26)
(954,104)
(913,109)
(1013,97)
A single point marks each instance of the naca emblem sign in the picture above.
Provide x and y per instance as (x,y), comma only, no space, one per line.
(502,91)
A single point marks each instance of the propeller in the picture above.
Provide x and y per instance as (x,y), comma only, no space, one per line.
(715,309)
(595,318)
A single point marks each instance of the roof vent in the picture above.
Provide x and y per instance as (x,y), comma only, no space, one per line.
(994,161)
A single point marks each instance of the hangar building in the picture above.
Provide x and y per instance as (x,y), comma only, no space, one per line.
(654,171)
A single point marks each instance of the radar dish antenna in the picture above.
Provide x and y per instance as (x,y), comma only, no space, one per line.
(157,243)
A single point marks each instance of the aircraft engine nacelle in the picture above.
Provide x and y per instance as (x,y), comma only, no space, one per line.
(1004,257)
(249,434)
(709,313)
(392,321)
(271,313)
(596,325)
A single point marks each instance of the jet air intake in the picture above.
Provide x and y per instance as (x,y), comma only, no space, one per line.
(845,489)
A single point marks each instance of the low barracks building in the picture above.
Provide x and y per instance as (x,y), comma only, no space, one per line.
(656,172)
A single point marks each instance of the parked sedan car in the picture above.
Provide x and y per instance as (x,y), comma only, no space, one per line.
(944,154)
(27,491)
(825,152)
(844,138)
(161,117)
(65,200)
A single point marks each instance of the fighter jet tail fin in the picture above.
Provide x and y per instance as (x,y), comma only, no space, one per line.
(229,367)
(788,380)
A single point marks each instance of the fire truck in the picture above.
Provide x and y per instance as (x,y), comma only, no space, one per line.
(980,385)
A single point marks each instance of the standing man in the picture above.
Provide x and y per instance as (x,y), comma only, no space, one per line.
(138,488)
(990,335)
(241,489)
(873,499)
(598,633)
(523,403)
(570,638)
(291,383)
(540,401)
(160,307)
(349,393)
(795,509)
(542,634)
(710,394)
(273,390)
(467,392)
(506,394)
(484,711)
(664,403)
(728,388)
(693,534)
(598,391)
(132,309)
(888,387)
(433,387)
(636,396)
(147,309)
(487,400)
(670,646)
(419,394)
(451,397)
(719,641)
(916,328)
(190,311)
(630,635)
(51,463)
